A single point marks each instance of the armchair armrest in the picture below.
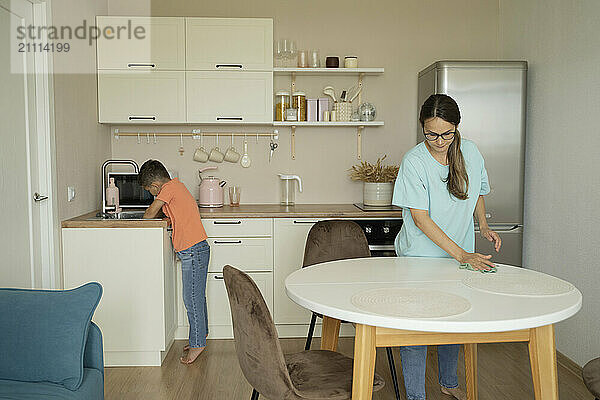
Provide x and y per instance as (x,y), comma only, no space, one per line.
(93,356)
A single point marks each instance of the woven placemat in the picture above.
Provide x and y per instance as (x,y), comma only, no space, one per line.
(518,284)
(410,303)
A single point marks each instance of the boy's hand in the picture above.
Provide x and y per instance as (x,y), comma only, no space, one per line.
(153,209)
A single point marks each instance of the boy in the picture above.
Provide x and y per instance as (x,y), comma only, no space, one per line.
(189,242)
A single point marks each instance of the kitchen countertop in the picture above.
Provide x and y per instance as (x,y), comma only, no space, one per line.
(297,211)
(243,211)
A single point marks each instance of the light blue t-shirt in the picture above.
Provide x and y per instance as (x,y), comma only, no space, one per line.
(420,185)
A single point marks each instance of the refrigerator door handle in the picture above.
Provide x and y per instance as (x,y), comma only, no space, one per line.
(503,228)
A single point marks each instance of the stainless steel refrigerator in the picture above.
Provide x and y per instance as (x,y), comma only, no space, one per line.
(491,96)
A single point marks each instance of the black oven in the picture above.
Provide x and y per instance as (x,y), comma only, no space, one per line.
(381,234)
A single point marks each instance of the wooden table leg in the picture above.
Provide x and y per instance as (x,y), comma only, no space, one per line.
(330,333)
(542,355)
(364,362)
(471,370)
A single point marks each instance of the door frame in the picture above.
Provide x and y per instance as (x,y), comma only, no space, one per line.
(49,221)
(47,272)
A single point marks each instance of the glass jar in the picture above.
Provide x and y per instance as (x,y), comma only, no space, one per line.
(282,103)
(299,102)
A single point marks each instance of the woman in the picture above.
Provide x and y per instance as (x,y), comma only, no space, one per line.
(440,185)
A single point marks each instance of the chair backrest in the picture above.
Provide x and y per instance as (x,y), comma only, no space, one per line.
(335,240)
(256,341)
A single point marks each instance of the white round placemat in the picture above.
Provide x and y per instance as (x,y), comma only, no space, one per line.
(410,303)
(518,284)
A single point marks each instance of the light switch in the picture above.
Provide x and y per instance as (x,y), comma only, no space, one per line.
(70,193)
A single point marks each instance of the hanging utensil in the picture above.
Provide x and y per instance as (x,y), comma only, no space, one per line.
(181,149)
(245,161)
(272,146)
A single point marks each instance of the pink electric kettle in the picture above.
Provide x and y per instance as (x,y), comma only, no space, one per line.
(210,191)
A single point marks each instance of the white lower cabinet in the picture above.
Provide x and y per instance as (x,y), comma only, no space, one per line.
(290,238)
(135,266)
(246,244)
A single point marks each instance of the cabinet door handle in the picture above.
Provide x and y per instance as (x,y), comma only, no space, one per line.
(142,118)
(141,65)
(227,222)
(219,277)
(239,66)
(227,242)
(305,222)
(230,118)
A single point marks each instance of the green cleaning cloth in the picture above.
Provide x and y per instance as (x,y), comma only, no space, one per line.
(470,268)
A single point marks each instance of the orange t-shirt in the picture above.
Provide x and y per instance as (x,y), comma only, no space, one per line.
(180,206)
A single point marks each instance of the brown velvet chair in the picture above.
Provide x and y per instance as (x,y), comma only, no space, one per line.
(318,374)
(591,377)
(339,240)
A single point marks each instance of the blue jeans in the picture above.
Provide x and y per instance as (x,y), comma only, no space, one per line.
(194,268)
(413,368)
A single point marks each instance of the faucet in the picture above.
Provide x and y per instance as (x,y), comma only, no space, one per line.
(106,163)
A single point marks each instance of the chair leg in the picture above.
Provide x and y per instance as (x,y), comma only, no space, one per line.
(390,356)
(311,330)
(254,395)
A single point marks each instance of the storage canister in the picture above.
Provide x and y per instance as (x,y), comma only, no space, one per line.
(323,106)
(282,102)
(299,102)
(311,110)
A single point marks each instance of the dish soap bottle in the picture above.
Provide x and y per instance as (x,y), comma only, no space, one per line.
(112,195)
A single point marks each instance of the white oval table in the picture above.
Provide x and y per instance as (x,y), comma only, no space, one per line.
(407,301)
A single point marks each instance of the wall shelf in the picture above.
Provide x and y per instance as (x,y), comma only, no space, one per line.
(360,125)
(327,71)
(328,124)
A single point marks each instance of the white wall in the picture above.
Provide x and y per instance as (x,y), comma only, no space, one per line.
(401,36)
(559,38)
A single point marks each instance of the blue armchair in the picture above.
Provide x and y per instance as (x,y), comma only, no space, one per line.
(50,348)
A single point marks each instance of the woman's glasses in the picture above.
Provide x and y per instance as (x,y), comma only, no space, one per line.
(432,137)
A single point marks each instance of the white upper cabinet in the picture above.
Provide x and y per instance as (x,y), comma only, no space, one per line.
(229,97)
(229,44)
(154,43)
(141,96)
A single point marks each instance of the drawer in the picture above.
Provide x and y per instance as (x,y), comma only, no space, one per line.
(246,254)
(217,301)
(160,46)
(225,97)
(238,227)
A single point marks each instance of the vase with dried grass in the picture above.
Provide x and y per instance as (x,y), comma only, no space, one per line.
(378,181)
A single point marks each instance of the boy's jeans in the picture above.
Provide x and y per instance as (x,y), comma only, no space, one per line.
(194,268)
(413,368)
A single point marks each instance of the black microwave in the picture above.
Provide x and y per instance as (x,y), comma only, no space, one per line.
(131,194)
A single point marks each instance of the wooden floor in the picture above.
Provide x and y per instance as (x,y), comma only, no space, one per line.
(504,373)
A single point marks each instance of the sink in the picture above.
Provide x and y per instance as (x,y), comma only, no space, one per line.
(123,215)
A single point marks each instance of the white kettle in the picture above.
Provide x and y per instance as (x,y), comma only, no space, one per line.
(288,188)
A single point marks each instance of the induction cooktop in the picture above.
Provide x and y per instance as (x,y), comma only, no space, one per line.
(377,208)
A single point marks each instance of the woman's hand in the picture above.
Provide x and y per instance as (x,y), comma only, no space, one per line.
(492,236)
(478,261)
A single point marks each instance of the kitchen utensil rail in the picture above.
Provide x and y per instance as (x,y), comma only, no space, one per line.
(195,134)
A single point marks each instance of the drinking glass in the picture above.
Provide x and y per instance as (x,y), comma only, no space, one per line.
(234,196)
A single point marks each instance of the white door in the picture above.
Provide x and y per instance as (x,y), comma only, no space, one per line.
(26,237)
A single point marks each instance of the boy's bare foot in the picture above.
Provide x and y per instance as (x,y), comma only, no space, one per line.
(187,346)
(456,393)
(191,356)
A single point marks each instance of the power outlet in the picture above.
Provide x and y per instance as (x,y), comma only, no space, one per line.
(70,193)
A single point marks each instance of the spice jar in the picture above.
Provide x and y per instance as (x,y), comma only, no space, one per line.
(299,102)
(282,102)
